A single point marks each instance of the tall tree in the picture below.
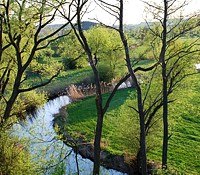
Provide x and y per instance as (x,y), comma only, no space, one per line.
(172,25)
(22,24)
(92,59)
(117,10)
(101,110)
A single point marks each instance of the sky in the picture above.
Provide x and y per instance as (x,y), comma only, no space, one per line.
(133,13)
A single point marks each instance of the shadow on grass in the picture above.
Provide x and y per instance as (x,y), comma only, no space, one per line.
(86,109)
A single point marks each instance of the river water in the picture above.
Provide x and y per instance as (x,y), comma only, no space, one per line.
(46,148)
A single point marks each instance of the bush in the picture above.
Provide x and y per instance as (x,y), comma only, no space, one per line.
(74,93)
(88,80)
(68,63)
(106,72)
(59,169)
(14,158)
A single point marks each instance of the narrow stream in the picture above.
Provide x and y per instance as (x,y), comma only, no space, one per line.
(46,148)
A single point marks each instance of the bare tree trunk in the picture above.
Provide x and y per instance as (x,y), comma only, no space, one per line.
(99,125)
(1,34)
(164,87)
(142,161)
(99,106)
(97,144)
(165,118)
(142,151)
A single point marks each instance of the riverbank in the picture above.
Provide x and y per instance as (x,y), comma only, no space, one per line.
(121,163)
(82,141)
(184,126)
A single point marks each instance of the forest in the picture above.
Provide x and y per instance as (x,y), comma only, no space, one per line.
(86,97)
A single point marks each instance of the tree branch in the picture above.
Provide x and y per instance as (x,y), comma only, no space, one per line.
(40,85)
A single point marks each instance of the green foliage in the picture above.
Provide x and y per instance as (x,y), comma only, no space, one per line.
(43,66)
(67,78)
(142,44)
(21,53)
(25,103)
(106,72)
(59,169)
(70,49)
(68,64)
(14,158)
(106,44)
(42,56)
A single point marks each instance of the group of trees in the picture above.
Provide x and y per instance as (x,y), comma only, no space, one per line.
(22,39)
(105,44)
(171,55)
(21,26)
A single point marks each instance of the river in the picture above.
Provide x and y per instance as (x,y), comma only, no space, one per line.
(44,144)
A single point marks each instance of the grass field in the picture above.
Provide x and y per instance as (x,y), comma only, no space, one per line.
(82,120)
(64,79)
(184,144)
(69,77)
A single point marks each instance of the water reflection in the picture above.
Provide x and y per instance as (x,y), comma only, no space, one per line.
(45,146)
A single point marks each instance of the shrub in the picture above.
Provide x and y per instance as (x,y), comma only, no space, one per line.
(71,63)
(68,63)
(14,158)
(59,169)
(74,93)
(88,80)
(106,72)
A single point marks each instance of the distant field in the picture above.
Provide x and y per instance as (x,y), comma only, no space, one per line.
(66,78)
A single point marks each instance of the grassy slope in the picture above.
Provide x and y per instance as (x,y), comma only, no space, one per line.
(71,76)
(64,79)
(184,145)
(82,119)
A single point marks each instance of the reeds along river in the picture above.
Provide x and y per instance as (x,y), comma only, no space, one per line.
(44,144)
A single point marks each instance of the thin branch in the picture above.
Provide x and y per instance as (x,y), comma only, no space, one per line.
(123,80)
(149,86)
(134,109)
(52,40)
(40,85)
